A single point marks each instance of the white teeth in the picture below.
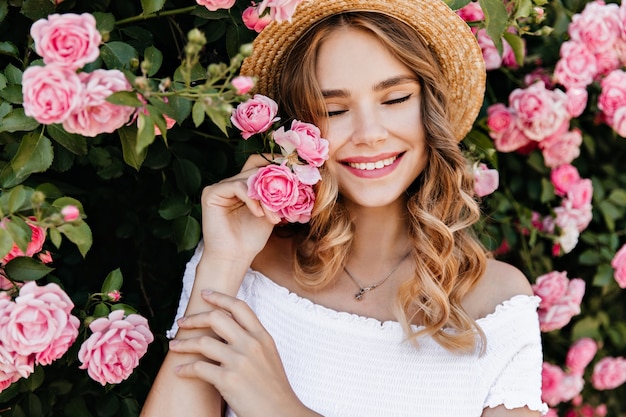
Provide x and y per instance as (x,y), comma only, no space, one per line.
(369,166)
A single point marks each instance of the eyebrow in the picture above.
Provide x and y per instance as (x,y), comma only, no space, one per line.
(383,85)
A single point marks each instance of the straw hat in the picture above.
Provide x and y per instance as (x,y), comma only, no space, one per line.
(447,34)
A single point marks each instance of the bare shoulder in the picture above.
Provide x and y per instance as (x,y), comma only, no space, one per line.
(500,283)
(274,261)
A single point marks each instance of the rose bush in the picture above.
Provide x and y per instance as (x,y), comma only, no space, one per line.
(114,114)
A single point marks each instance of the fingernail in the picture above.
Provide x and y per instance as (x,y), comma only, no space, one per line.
(206,293)
(180,320)
(173,342)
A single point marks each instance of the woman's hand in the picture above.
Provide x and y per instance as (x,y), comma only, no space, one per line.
(246,368)
(236,227)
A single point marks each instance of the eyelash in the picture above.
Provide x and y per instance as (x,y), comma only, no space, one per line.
(389,102)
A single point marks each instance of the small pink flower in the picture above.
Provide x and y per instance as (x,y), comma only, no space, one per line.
(571,386)
(577,67)
(169,122)
(275,186)
(311,147)
(51,93)
(576,101)
(471,12)
(551,378)
(601,410)
(68,40)
(580,354)
(114,296)
(280,10)
(485,180)
(45,257)
(613,94)
(491,56)
(307,174)
(113,350)
(70,213)
(96,115)
(569,216)
(551,287)
(37,239)
(214,5)
(609,373)
(300,211)
(242,84)
(561,148)
(253,21)
(619,265)
(499,118)
(580,193)
(255,115)
(563,178)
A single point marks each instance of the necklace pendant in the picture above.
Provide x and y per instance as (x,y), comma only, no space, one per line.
(359,296)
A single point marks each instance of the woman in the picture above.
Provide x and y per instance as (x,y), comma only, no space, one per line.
(386,305)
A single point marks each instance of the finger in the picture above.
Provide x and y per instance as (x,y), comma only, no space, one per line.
(257,161)
(221,322)
(205,371)
(238,309)
(206,346)
(232,195)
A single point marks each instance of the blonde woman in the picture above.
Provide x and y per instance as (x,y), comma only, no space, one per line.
(385,304)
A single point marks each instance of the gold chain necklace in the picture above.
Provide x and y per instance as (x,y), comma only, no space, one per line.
(362,290)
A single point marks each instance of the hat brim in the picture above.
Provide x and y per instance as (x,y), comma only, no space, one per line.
(451,39)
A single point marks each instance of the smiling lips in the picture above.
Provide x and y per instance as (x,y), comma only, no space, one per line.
(372,167)
(369,166)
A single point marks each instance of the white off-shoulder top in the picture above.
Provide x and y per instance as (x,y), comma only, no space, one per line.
(344,365)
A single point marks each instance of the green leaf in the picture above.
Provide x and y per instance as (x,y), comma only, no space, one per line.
(547,191)
(496,20)
(79,234)
(8,48)
(37,9)
(586,327)
(101,310)
(35,380)
(151,6)
(180,108)
(118,55)
(77,144)
(618,196)
(174,207)
(13,94)
(55,237)
(155,57)
(517,44)
(186,233)
(105,22)
(16,199)
(188,176)
(17,121)
(20,232)
(590,257)
(35,154)
(125,98)
(206,14)
(197,113)
(113,281)
(76,407)
(5,108)
(6,242)
(219,118)
(13,74)
(4,11)
(127,309)
(9,393)
(145,133)
(610,213)
(68,201)
(524,8)
(457,4)
(25,268)
(603,276)
(128,137)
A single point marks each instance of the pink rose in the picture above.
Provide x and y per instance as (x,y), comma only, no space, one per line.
(613,94)
(113,351)
(539,74)
(618,121)
(580,193)
(598,26)
(307,174)
(96,115)
(619,264)
(561,149)
(114,296)
(37,239)
(606,62)
(300,211)
(499,118)
(576,101)
(242,84)
(577,67)
(580,354)
(45,257)
(13,366)
(551,377)
(255,115)
(571,386)
(253,21)
(540,112)
(37,323)
(472,12)
(492,57)
(280,10)
(67,40)
(568,216)
(51,93)
(563,177)
(275,186)
(513,140)
(551,287)
(214,5)
(485,180)
(566,241)
(551,413)
(609,373)
(311,147)
(70,213)
(564,308)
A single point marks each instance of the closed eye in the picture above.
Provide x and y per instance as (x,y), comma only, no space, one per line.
(398,100)
(336,113)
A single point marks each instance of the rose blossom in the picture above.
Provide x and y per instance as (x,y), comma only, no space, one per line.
(619,264)
(169,122)
(561,149)
(45,257)
(618,121)
(499,118)
(567,240)
(275,186)
(491,56)
(68,40)
(38,320)
(307,174)
(577,66)
(113,350)
(60,344)
(300,211)
(613,94)
(253,21)
(114,295)
(598,26)
(550,287)
(471,12)
(37,239)
(51,93)
(214,5)
(242,84)
(551,377)
(255,115)
(580,354)
(280,10)
(485,180)
(609,373)
(563,177)
(541,112)
(606,62)
(13,366)
(580,193)
(564,308)
(571,386)
(568,216)
(70,213)
(312,147)
(576,101)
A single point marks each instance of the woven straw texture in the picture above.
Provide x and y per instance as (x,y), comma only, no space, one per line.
(446,33)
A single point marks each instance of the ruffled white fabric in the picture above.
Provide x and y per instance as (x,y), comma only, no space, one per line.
(341,364)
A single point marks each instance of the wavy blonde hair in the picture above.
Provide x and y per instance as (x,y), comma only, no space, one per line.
(440,205)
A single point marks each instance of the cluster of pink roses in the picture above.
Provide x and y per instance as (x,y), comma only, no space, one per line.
(286,185)
(258,14)
(560,299)
(56,93)
(596,51)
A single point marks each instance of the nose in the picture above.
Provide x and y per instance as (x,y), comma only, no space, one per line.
(369,127)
